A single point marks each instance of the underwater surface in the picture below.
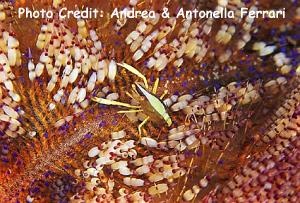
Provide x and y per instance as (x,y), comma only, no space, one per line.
(149,109)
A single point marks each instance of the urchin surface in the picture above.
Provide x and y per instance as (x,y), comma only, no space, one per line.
(149,109)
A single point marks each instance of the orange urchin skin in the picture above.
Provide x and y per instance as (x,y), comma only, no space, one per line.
(41,154)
